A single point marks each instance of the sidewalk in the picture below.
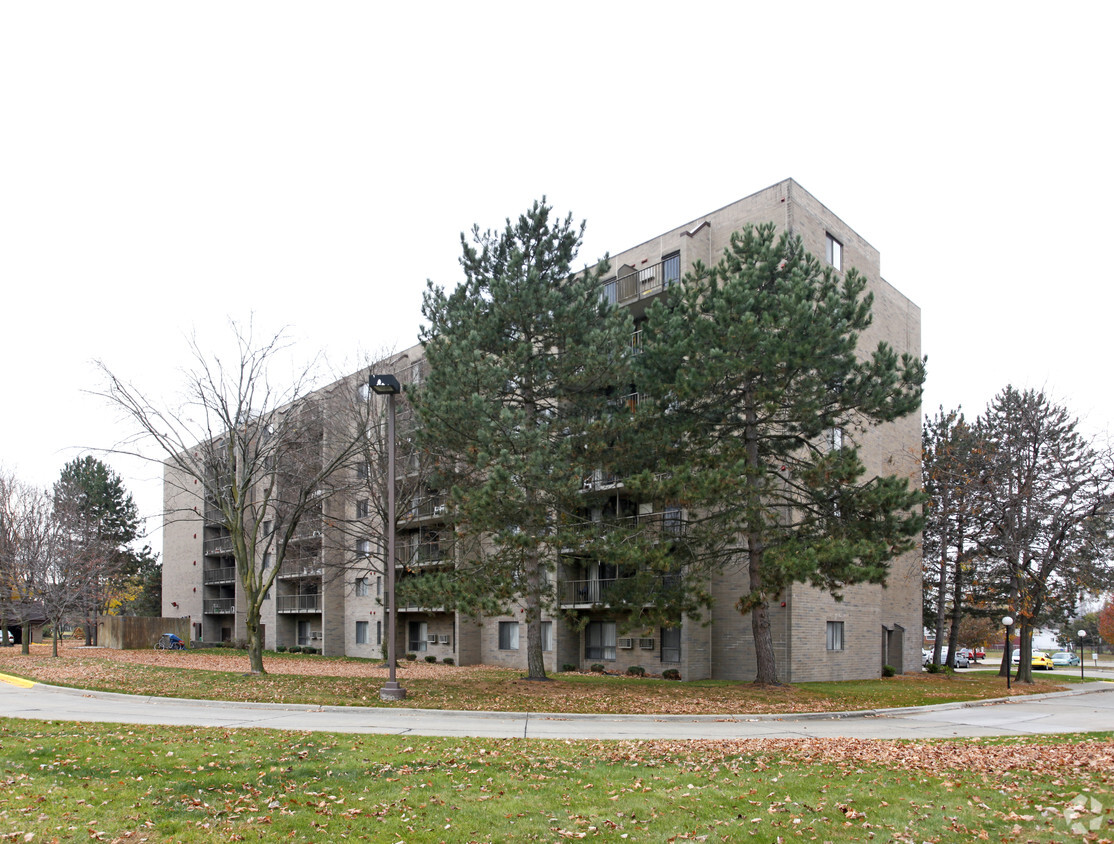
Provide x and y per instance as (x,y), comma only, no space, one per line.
(1086,709)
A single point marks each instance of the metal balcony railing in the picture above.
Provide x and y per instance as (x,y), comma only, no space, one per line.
(599,590)
(298,603)
(224,606)
(220,546)
(225,574)
(310,567)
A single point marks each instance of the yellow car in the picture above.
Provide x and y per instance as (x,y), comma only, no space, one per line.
(1042,660)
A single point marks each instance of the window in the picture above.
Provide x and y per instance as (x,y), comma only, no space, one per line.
(833,251)
(379,632)
(671,269)
(416,373)
(834,438)
(611,291)
(363,507)
(364,391)
(547,635)
(416,638)
(361,588)
(379,587)
(835,635)
(600,640)
(671,644)
(508,635)
(268,560)
(363,547)
(361,632)
(362,470)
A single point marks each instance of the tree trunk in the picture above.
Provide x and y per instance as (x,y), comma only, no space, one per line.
(26,648)
(54,642)
(255,643)
(1025,658)
(760,625)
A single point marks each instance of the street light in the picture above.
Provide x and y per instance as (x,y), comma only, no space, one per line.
(1082,633)
(387,385)
(1007,622)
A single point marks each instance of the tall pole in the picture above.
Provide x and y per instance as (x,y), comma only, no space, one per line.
(388,386)
(1082,633)
(1007,622)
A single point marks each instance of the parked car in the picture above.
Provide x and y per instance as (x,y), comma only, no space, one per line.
(961,660)
(926,658)
(1065,658)
(1042,660)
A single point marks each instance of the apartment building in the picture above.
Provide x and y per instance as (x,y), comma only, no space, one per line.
(331,594)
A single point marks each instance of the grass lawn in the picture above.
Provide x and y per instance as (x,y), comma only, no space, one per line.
(328,681)
(81,782)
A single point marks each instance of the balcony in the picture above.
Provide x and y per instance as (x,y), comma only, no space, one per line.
(225,574)
(663,525)
(598,591)
(220,546)
(424,554)
(425,507)
(301,567)
(224,606)
(298,603)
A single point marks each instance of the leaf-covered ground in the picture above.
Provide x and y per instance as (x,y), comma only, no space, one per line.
(319,680)
(98,782)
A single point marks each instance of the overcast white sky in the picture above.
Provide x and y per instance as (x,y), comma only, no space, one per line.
(164,167)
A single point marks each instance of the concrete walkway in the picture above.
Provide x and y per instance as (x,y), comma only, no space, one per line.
(1089,708)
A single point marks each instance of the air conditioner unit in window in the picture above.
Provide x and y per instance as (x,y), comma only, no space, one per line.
(315,635)
(443,638)
(646,644)
(626,643)
(432,638)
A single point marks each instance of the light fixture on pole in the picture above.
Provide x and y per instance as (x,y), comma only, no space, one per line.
(387,385)
(1082,633)
(1007,622)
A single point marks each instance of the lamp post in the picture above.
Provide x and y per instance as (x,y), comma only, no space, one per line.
(387,385)
(1082,633)
(1007,622)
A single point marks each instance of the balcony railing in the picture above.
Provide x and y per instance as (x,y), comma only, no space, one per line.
(599,591)
(220,546)
(424,508)
(310,567)
(224,606)
(632,284)
(425,554)
(225,574)
(664,524)
(298,603)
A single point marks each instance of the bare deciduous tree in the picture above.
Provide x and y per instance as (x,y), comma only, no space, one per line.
(259,461)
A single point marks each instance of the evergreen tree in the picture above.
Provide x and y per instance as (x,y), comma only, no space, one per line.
(757,386)
(100,520)
(522,357)
(1047,496)
(952,466)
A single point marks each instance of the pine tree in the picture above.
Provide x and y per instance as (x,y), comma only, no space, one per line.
(757,385)
(522,357)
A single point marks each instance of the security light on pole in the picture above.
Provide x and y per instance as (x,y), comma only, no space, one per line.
(1007,622)
(387,385)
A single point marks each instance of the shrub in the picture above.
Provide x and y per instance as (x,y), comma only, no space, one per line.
(431,659)
(888,671)
(568,666)
(671,674)
(295,649)
(411,657)
(636,671)
(280,649)
(934,668)
(597,668)
(448,661)
(240,644)
(309,649)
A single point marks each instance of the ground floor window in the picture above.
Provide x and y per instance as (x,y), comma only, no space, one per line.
(379,632)
(671,644)
(547,635)
(508,635)
(361,632)
(600,640)
(835,635)
(417,637)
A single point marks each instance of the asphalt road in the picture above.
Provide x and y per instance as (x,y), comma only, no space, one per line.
(1089,708)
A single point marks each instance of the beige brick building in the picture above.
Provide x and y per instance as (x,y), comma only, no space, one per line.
(333,597)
